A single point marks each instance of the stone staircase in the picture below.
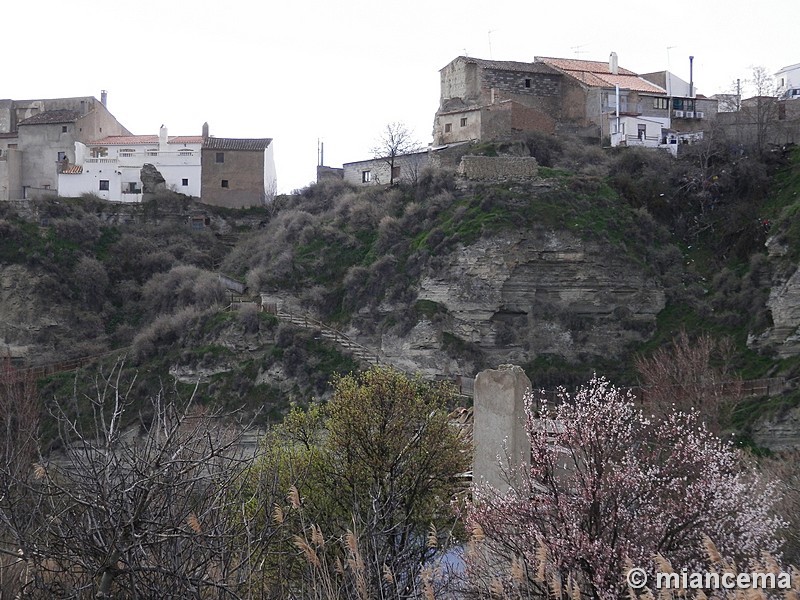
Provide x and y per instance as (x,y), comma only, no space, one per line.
(358,351)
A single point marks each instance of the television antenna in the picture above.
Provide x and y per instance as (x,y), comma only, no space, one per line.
(577,50)
(491,31)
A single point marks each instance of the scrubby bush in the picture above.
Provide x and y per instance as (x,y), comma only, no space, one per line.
(181,287)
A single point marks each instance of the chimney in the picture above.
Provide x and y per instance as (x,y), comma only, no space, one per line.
(205,131)
(104,98)
(691,77)
(162,136)
(613,64)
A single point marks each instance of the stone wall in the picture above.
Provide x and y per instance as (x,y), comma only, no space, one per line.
(498,167)
(539,84)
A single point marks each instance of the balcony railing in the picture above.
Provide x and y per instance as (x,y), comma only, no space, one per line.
(100,160)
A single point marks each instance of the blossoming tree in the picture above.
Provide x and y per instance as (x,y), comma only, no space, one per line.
(609,487)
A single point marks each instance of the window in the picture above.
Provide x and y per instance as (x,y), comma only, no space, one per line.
(224,183)
(133,187)
(220,157)
(99,152)
(448,127)
(62,156)
(366,176)
(104,185)
(184,182)
(463,121)
(63,129)
(662,103)
(126,152)
(527,82)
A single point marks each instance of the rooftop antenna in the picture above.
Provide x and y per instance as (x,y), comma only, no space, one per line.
(578,51)
(491,31)
(669,71)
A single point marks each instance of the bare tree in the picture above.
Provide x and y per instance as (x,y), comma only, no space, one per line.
(151,501)
(683,376)
(395,141)
(19,419)
(762,108)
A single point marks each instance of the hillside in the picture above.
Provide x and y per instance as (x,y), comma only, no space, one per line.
(605,256)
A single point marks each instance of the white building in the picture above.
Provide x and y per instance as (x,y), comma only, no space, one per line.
(111,167)
(787,80)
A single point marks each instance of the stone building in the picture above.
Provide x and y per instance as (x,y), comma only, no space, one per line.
(236,172)
(762,121)
(378,171)
(492,100)
(489,99)
(37,138)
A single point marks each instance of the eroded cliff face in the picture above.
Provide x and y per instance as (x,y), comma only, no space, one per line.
(521,294)
(784,305)
(23,314)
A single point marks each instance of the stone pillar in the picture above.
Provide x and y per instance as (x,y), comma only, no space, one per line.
(499,424)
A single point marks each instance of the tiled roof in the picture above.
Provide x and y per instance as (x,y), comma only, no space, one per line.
(52,117)
(589,66)
(509,65)
(186,139)
(598,74)
(150,140)
(72,170)
(216,143)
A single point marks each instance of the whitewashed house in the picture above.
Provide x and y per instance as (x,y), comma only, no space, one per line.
(111,167)
(787,82)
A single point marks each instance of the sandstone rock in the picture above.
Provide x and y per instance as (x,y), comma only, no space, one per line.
(521,294)
(784,304)
(153,181)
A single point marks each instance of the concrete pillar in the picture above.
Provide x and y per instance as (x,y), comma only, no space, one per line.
(499,424)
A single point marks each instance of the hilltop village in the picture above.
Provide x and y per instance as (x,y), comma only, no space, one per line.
(555,353)
(73,146)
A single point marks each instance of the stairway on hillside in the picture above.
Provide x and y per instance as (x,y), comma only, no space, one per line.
(359,351)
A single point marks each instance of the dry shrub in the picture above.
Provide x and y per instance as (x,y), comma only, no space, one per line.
(181,287)
(164,331)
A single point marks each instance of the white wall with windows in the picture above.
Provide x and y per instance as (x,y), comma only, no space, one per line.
(113,170)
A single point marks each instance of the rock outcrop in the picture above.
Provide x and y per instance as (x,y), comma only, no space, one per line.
(784,304)
(521,294)
(153,181)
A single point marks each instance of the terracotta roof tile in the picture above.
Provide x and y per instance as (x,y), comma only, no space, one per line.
(216,143)
(597,74)
(589,66)
(186,139)
(72,170)
(52,117)
(133,140)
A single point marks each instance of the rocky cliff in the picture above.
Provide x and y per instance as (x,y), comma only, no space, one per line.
(524,293)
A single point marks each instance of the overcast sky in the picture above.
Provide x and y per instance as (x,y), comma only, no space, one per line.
(340,71)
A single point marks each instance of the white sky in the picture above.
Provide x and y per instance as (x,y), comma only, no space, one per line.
(340,71)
